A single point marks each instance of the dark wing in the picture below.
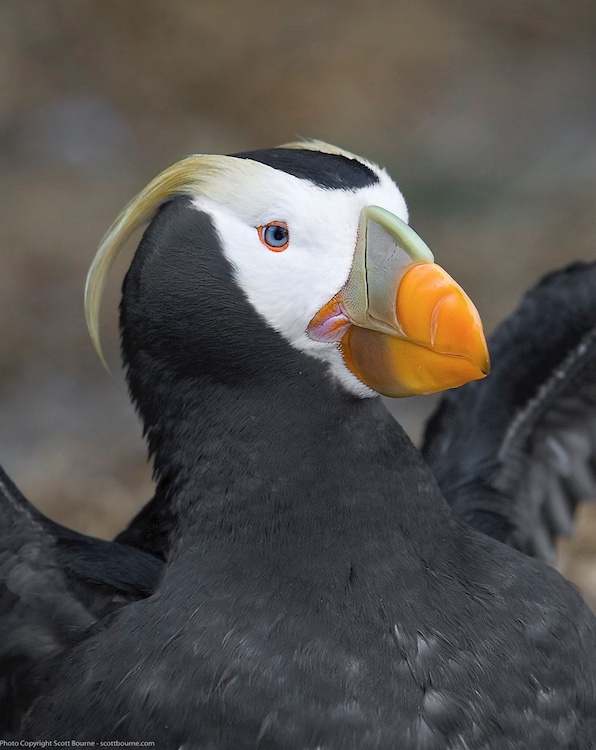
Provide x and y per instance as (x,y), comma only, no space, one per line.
(515,453)
(54,585)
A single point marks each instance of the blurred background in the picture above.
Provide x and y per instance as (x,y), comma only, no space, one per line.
(485,113)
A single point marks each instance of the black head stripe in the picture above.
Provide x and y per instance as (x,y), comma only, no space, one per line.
(332,171)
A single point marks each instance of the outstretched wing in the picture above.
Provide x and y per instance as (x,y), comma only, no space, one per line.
(514,454)
(54,585)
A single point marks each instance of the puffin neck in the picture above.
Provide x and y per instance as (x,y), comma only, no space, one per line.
(283,464)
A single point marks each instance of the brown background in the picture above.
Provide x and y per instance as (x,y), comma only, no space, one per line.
(484,113)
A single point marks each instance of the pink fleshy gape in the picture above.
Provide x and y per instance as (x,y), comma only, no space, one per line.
(330,323)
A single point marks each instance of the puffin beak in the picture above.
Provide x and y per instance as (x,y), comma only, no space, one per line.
(404,326)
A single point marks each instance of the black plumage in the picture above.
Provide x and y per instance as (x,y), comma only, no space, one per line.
(316,590)
(330,171)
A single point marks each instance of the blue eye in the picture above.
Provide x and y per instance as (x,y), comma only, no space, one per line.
(274,236)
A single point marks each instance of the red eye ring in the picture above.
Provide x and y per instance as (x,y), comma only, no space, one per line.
(274,235)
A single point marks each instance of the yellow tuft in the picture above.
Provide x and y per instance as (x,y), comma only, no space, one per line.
(187,177)
(311,144)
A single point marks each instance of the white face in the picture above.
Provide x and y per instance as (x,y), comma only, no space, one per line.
(287,288)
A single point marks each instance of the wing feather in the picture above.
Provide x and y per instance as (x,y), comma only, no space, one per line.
(55,584)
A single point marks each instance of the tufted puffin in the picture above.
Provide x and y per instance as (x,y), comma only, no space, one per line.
(298,580)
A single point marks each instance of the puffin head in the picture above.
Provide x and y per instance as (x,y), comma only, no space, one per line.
(314,243)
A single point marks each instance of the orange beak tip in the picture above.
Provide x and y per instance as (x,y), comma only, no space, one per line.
(441,344)
(435,312)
